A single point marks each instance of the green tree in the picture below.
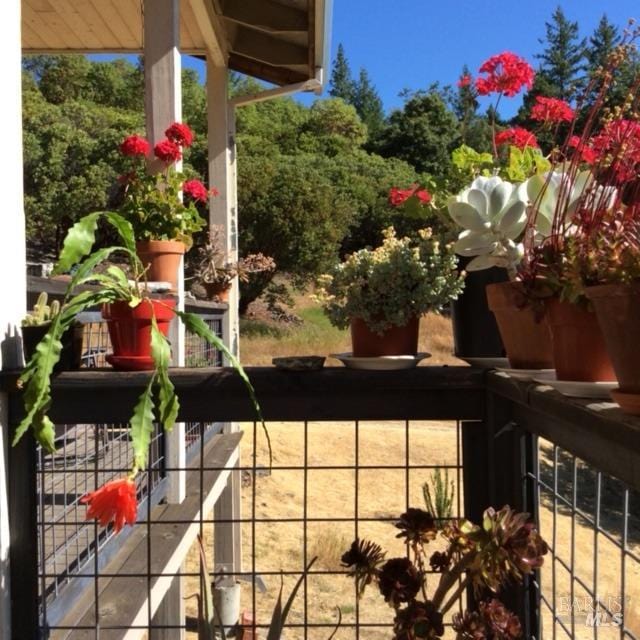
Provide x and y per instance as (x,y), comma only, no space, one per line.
(422,133)
(561,61)
(342,85)
(368,104)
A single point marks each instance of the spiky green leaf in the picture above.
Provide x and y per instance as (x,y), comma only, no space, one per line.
(78,243)
(124,229)
(142,425)
(161,353)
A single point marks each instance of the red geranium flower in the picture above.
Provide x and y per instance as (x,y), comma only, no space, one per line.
(134,146)
(551,110)
(115,502)
(516,136)
(399,196)
(196,190)
(214,192)
(464,80)
(167,151)
(507,73)
(180,134)
(588,153)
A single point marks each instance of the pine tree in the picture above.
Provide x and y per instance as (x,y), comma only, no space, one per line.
(368,103)
(342,85)
(562,58)
(601,44)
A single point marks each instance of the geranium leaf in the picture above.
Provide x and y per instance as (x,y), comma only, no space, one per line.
(142,425)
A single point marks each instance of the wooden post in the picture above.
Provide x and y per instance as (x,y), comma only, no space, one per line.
(163,105)
(224,213)
(13,266)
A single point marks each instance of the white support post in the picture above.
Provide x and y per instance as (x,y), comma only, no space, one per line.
(224,213)
(13,285)
(163,105)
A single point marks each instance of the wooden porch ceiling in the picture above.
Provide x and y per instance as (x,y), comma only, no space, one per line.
(274,40)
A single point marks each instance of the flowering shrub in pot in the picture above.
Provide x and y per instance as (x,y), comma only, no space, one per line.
(120,291)
(161,206)
(504,549)
(381,291)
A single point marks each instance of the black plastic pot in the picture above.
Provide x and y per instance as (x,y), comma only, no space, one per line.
(475,332)
(71,355)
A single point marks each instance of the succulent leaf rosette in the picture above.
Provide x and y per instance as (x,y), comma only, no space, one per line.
(493,215)
(389,285)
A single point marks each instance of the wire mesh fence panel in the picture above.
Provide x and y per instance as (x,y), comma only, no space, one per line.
(589,586)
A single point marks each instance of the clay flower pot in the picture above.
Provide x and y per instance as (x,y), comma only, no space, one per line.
(130,331)
(525,333)
(617,307)
(217,290)
(579,349)
(395,341)
(162,259)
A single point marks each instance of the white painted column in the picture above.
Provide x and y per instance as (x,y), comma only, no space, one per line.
(163,106)
(13,284)
(224,212)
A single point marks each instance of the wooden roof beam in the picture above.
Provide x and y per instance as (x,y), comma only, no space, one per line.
(266,48)
(275,75)
(266,15)
(212,31)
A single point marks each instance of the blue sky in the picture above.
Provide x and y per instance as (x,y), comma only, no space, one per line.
(408,44)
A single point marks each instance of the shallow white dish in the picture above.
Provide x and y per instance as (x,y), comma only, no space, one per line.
(487,363)
(528,374)
(381,363)
(578,389)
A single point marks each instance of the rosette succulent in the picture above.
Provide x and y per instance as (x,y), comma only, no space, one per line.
(493,214)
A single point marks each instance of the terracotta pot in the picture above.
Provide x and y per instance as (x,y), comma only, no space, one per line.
(475,331)
(130,331)
(395,341)
(617,307)
(217,290)
(162,259)
(72,342)
(579,350)
(525,334)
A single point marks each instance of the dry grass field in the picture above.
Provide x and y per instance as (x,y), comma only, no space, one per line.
(330,495)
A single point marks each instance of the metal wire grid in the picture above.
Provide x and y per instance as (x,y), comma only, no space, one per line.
(86,457)
(589,586)
(198,352)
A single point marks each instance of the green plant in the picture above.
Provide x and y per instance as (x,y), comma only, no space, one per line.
(158,402)
(206,609)
(438,495)
(42,312)
(505,547)
(389,285)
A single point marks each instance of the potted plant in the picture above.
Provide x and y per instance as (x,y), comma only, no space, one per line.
(125,299)
(381,293)
(505,548)
(211,271)
(36,324)
(161,206)
(594,235)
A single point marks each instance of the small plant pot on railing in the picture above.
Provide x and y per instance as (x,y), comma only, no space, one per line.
(130,332)
(524,329)
(617,307)
(218,291)
(579,349)
(72,343)
(162,259)
(395,341)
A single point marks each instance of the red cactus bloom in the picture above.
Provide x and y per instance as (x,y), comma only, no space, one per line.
(196,190)
(464,80)
(399,196)
(550,110)
(507,73)
(135,146)
(516,136)
(167,151)
(180,134)
(115,502)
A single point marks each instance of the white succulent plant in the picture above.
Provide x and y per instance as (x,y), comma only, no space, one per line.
(493,214)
